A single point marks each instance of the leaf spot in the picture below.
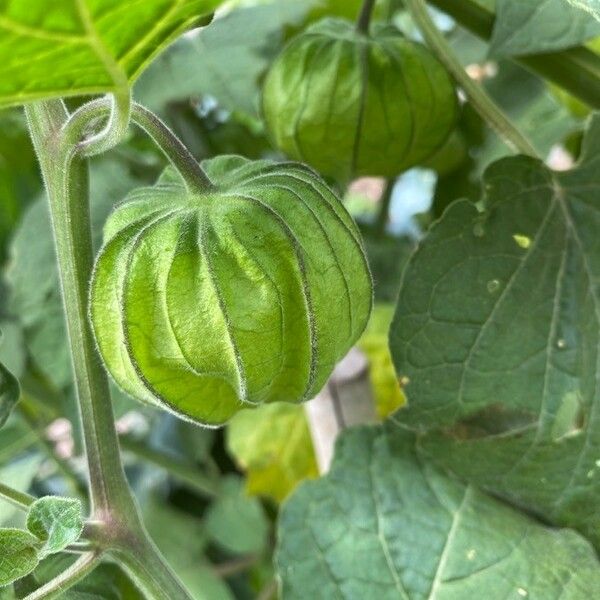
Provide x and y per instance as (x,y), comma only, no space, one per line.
(523,241)
(493,286)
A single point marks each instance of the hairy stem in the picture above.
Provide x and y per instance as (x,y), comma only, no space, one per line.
(143,562)
(55,588)
(116,126)
(480,100)
(178,155)
(112,504)
(20,500)
(364,18)
(194,177)
(66,180)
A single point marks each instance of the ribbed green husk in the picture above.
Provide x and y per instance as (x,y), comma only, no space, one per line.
(352,104)
(249,293)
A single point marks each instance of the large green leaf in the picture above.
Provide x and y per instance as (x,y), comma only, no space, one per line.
(50,49)
(498,330)
(533,26)
(385,525)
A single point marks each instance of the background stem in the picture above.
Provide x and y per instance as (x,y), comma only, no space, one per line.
(21,500)
(364,18)
(485,106)
(55,588)
(383,214)
(576,70)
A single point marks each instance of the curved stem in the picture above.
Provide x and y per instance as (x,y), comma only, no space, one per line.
(178,155)
(114,130)
(56,587)
(193,175)
(364,18)
(486,107)
(20,500)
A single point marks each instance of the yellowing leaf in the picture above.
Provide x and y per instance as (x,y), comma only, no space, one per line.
(273,444)
(374,343)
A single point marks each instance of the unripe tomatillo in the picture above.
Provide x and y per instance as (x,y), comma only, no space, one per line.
(350,103)
(245,293)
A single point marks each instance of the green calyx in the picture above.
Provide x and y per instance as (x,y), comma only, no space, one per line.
(351,104)
(250,292)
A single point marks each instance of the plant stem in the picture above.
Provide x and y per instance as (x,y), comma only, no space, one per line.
(141,559)
(364,18)
(194,176)
(56,587)
(116,126)
(383,215)
(576,70)
(112,504)
(66,180)
(186,473)
(486,107)
(20,500)
(180,157)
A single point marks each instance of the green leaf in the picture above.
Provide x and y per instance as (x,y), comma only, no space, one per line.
(525,27)
(385,525)
(56,521)
(9,392)
(18,554)
(224,60)
(236,521)
(84,47)
(498,330)
(273,444)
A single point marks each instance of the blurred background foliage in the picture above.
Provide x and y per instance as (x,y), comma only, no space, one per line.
(211,497)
